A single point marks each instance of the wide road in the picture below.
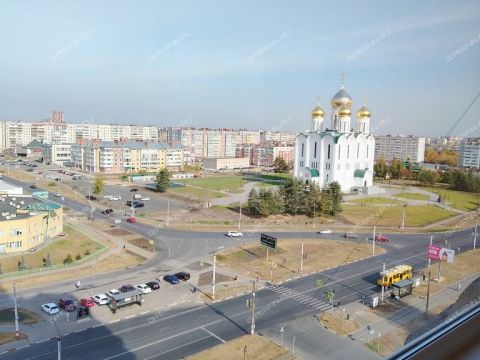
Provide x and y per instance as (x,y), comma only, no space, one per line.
(176,334)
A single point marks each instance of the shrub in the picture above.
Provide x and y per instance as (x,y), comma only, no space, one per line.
(87,252)
(78,257)
(68,259)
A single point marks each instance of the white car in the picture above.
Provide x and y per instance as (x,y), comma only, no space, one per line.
(57,194)
(50,308)
(325,231)
(145,198)
(113,292)
(115,197)
(144,288)
(101,299)
(108,197)
(234,234)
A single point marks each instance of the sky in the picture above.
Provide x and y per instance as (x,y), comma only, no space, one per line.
(244,64)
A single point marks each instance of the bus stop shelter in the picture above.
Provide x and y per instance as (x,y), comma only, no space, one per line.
(124,299)
(402,288)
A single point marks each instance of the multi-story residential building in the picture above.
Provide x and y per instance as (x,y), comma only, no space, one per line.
(399,147)
(57,154)
(264,155)
(469,153)
(26,222)
(279,137)
(112,157)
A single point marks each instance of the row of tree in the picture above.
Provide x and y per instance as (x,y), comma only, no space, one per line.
(294,198)
(444,157)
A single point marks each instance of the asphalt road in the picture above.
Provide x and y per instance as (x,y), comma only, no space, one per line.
(176,334)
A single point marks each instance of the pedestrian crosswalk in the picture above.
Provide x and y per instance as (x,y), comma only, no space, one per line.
(287,293)
(173,264)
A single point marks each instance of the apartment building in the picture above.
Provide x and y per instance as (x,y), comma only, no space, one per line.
(400,147)
(264,155)
(279,137)
(110,157)
(57,154)
(469,153)
(26,222)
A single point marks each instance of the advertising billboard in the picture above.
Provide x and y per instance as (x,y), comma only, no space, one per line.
(268,241)
(442,254)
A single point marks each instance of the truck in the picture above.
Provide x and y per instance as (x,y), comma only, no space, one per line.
(137,196)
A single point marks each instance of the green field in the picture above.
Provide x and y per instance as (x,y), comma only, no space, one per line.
(218,183)
(200,194)
(376,201)
(392,215)
(413,196)
(459,200)
(74,243)
(25,316)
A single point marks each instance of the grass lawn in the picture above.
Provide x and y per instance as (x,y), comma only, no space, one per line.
(219,183)
(413,196)
(258,348)
(74,243)
(392,215)
(200,194)
(250,259)
(25,316)
(376,201)
(458,199)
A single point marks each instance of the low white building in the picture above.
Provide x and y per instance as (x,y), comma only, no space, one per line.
(226,163)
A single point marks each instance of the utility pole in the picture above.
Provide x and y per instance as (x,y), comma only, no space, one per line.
(373,239)
(282,330)
(428,292)
(383,281)
(252,329)
(214,252)
(168,212)
(17,333)
(430,260)
(293,345)
(301,260)
(240,217)
(59,340)
(403,216)
(476,226)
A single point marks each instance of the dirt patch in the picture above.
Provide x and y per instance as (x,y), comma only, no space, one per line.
(142,243)
(284,262)
(117,232)
(207,277)
(258,348)
(10,336)
(337,321)
(123,260)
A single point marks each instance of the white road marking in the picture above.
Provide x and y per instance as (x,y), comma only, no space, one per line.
(211,333)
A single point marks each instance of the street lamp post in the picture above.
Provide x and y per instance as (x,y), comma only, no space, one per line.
(252,328)
(373,239)
(59,341)
(301,260)
(403,215)
(17,333)
(214,253)
(240,217)
(282,330)
(475,233)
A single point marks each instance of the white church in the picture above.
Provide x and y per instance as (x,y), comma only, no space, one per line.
(337,152)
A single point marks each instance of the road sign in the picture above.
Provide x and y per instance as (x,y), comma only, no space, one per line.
(268,241)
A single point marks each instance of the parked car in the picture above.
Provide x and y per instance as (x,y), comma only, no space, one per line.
(381,238)
(126,288)
(33,186)
(172,279)
(101,299)
(50,308)
(107,197)
(67,304)
(107,211)
(133,190)
(234,234)
(350,235)
(135,203)
(113,292)
(325,231)
(131,220)
(91,197)
(145,198)
(116,197)
(87,302)
(144,288)
(57,194)
(154,285)
(182,275)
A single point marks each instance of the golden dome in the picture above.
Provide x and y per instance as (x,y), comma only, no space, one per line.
(341,98)
(318,111)
(344,111)
(363,112)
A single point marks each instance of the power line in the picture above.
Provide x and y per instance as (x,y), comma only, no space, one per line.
(463,114)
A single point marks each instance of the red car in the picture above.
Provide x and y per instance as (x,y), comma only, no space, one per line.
(131,220)
(87,302)
(381,238)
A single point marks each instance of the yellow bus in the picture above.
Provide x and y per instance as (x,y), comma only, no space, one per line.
(393,275)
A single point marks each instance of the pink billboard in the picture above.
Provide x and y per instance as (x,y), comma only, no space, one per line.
(438,253)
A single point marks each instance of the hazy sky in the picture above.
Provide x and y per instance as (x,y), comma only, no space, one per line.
(243,64)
